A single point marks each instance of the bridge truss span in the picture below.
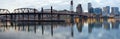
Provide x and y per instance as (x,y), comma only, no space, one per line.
(25,10)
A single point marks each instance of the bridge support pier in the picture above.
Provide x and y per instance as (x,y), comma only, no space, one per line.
(15,19)
(80,17)
(23,19)
(85,17)
(6,21)
(39,18)
(72,19)
(11,16)
(28,19)
(58,17)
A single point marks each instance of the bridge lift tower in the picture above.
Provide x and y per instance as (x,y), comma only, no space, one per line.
(71,6)
(71,11)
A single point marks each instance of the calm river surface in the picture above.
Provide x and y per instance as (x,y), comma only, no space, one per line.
(82,29)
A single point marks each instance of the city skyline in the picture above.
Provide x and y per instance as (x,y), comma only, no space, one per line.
(65,4)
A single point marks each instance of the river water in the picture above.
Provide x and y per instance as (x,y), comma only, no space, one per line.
(90,28)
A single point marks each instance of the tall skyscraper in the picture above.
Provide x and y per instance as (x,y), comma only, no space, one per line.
(106,11)
(114,10)
(89,5)
(98,11)
(79,9)
(90,8)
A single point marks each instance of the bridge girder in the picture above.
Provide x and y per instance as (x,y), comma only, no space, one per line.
(4,11)
(25,10)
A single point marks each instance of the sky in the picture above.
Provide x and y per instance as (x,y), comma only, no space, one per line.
(57,4)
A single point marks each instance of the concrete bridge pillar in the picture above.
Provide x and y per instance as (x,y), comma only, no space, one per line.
(11,16)
(39,16)
(23,17)
(85,17)
(80,16)
(28,18)
(58,17)
(14,17)
(72,19)
(6,19)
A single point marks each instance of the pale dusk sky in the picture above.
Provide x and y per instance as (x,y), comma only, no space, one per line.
(57,4)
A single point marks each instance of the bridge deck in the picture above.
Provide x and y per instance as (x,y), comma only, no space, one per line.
(36,13)
(35,20)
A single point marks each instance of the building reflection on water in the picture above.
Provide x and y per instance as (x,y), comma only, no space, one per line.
(92,23)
